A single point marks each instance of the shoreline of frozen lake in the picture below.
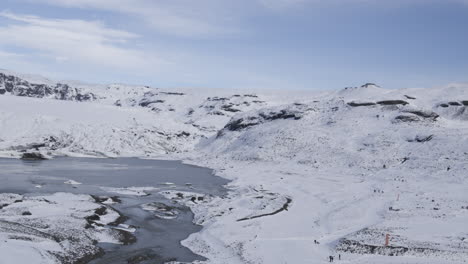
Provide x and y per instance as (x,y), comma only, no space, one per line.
(128,192)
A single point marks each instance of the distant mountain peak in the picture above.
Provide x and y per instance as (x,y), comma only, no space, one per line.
(369,85)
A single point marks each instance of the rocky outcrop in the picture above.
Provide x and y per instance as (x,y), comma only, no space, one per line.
(407,118)
(33,156)
(424,114)
(384,103)
(356,247)
(356,104)
(453,109)
(236,124)
(392,102)
(422,139)
(13,85)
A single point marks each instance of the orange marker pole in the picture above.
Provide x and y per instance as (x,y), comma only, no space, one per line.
(387,240)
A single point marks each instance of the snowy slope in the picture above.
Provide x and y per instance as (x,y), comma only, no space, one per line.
(343,167)
(352,173)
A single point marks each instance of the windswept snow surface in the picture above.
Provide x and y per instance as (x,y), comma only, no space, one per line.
(344,168)
(50,229)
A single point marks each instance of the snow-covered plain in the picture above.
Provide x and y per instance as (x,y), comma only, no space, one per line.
(344,168)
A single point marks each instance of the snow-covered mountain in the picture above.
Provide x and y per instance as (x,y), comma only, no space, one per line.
(342,167)
(113,120)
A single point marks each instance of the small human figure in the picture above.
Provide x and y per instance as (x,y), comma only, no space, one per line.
(339,256)
(330,258)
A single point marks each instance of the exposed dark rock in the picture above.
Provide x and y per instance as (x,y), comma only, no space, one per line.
(93,218)
(282,114)
(444,105)
(424,114)
(26,213)
(101,210)
(239,124)
(283,208)
(369,84)
(229,108)
(183,134)
(126,238)
(120,220)
(465,103)
(454,103)
(214,99)
(410,97)
(102,199)
(38,146)
(352,246)
(407,118)
(422,139)
(22,238)
(172,93)
(19,87)
(392,102)
(217,113)
(356,104)
(245,122)
(146,102)
(33,156)
(115,199)
(85,256)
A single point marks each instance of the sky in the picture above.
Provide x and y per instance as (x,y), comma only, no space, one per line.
(261,44)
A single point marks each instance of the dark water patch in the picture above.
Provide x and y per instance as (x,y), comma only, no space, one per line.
(156,239)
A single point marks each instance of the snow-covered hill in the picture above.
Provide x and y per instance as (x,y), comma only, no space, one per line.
(113,120)
(342,167)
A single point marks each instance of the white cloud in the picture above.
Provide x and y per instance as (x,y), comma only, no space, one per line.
(186,18)
(74,41)
(204,18)
(5,54)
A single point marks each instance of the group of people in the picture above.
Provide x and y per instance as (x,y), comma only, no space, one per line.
(332,258)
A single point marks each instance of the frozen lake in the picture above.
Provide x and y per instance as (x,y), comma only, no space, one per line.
(158,239)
